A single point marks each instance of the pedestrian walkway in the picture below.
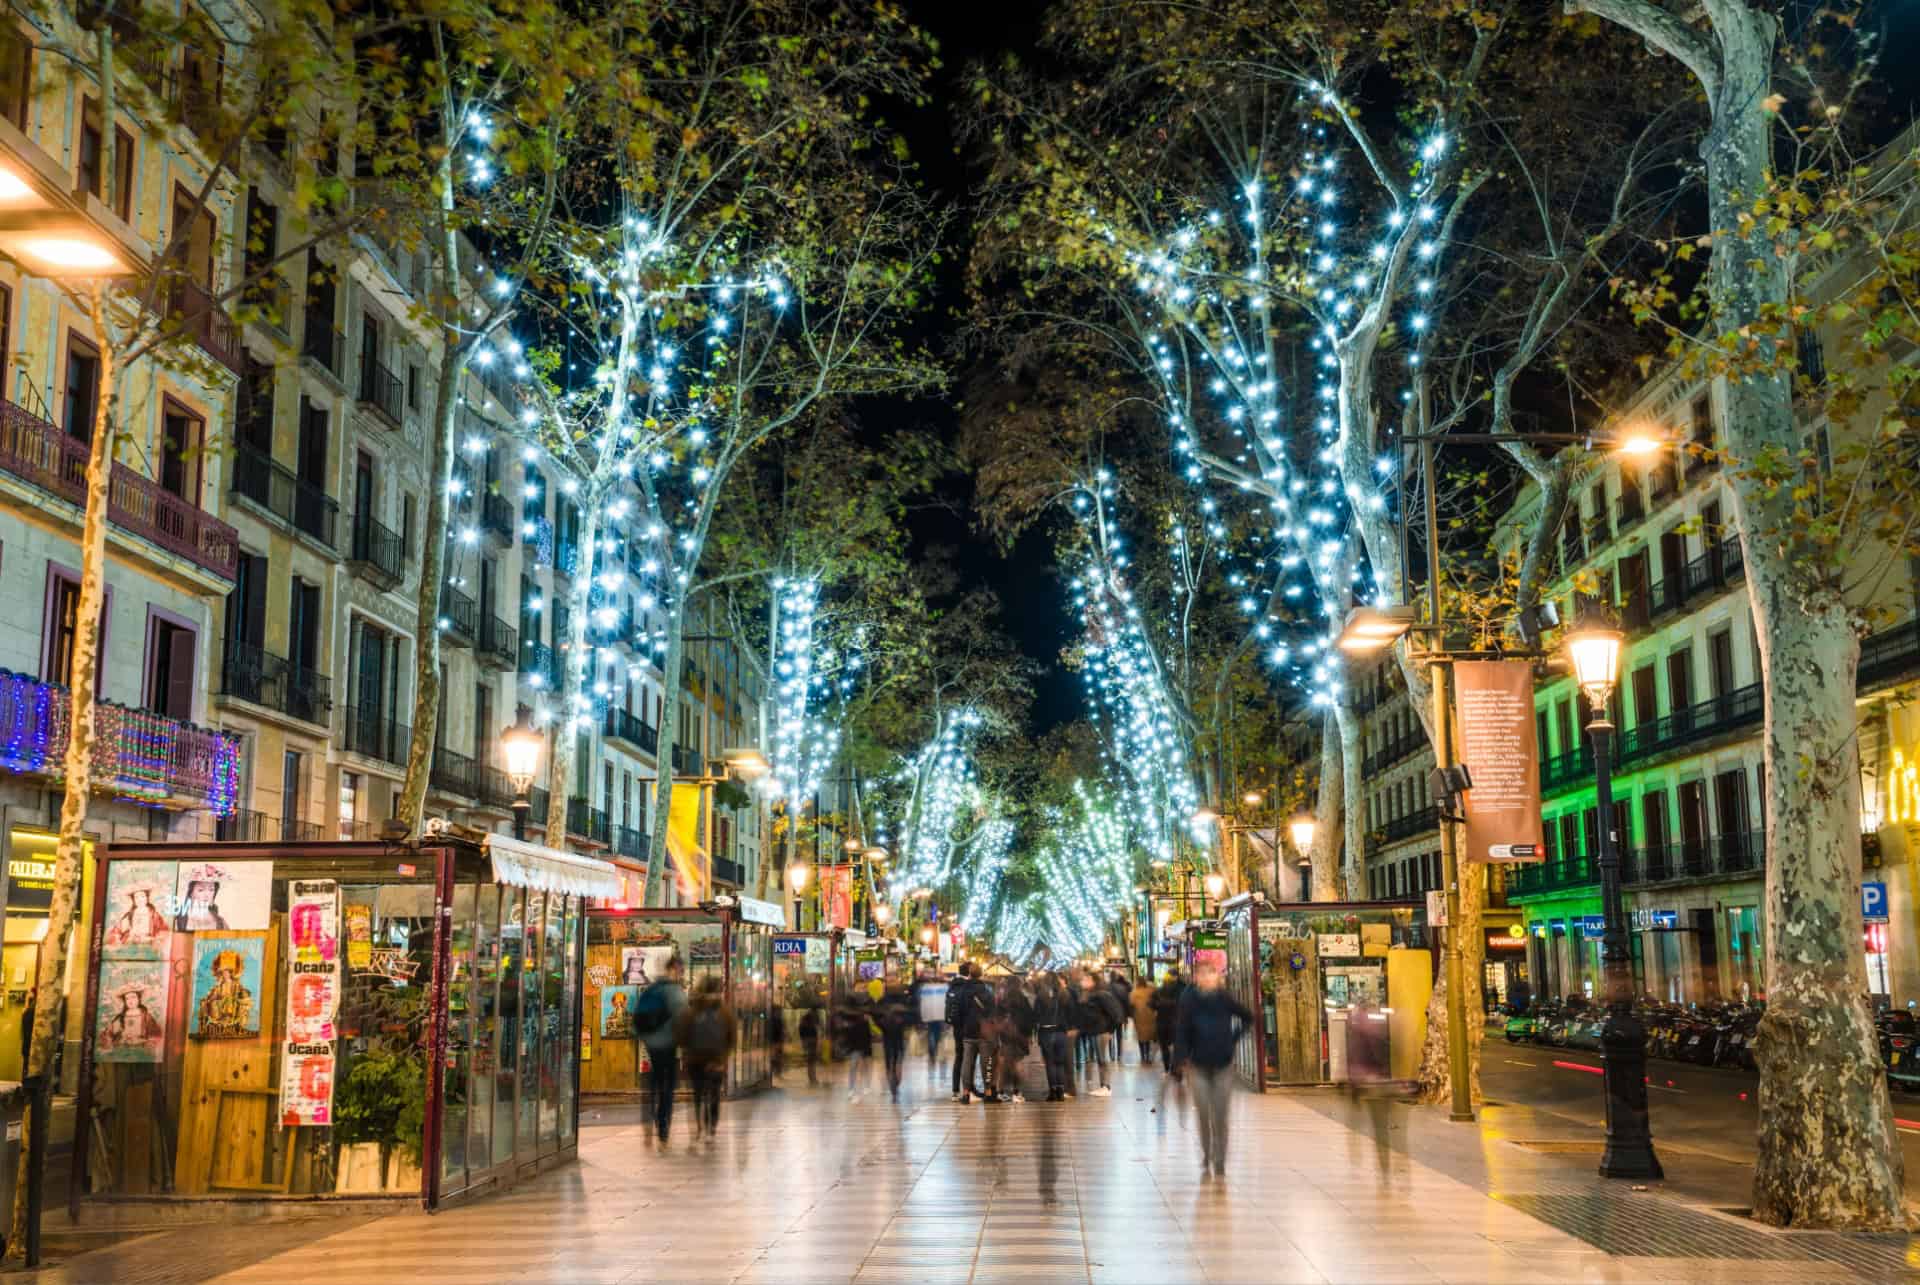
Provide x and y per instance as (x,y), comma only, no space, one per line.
(802,1186)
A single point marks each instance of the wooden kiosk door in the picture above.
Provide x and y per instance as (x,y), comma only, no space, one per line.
(1296,1011)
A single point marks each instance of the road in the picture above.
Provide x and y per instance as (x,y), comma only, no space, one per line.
(1701,1108)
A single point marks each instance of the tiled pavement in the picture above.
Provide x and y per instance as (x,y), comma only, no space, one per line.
(802,1186)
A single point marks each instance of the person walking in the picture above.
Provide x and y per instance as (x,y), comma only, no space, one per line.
(1050,1028)
(1016,1039)
(810,1041)
(1140,1002)
(853,1040)
(930,997)
(894,1015)
(654,1015)
(1122,992)
(956,996)
(1166,1007)
(976,1009)
(1209,1023)
(776,1043)
(706,1033)
(1103,1017)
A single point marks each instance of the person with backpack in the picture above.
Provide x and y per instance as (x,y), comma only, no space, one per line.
(810,1041)
(976,1007)
(930,998)
(1210,1022)
(706,1033)
(1166,1007)
(956,996)
(660,1005)
(1101,1016)
(853,1040)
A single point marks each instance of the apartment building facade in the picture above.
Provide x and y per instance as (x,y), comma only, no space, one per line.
(266,513)
(1652,538)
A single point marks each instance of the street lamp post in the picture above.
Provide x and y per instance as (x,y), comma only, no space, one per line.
(1303,827)
(521,744)
(1593,646)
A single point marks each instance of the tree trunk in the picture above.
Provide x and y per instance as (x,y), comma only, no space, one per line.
(573,675)
(78,768)
(1328,813)
(1434,1080)
(433,552)
(657,856)
(1353,866)
(1829,1156)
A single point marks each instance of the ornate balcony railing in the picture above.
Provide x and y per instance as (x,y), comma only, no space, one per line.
(622,726)
(276,489)
(454,773)
(375,551)
(499,643)
(496,517)
(588,823)
(251,674)
(629,842)
(137,754)
(459,616)
(728,872)
(322,344)
(258,827)
(207,323)
(367,733)
(381,391)
(35,451)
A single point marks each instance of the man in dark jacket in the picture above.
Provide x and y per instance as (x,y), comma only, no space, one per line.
(1050,1022)
(956,995)
(1102,1015)
(976,1006)
(1166,1008)
(1210,1022)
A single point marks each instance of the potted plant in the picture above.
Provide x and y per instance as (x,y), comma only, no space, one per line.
(379,1115)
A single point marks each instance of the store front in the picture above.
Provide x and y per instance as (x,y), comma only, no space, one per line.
(31,853)
(1562,952)
(626,950)
(319,1019)
(1507,975)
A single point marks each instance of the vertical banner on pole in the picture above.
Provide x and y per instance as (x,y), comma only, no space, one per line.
(1494,703)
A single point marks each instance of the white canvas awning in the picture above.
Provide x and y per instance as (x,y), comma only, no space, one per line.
(528,865)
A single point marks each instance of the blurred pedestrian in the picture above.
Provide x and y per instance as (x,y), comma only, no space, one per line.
(776,1043)
(810,1041)
(853,1040)
(894,1015)
(976,1009)
(956,996)
(1140,1001)
(1103,1017)
(706,1033)
(1210,1022)
(654,1015)
(930,996)
(1166,1006)
(1050,1028)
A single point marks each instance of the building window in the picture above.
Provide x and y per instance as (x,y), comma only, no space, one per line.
(83,388)
(196,238)
(170,673)
(406,521)
(16,74)
(349,804)
(413,386)
(92,164)
(63,633)
(293,771)
(181,437)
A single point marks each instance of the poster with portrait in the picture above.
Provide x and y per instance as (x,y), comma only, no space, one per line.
(225,1002)
(359,920)
(836,896)
(139,914)
(616,1011)
(643,965)
(313,953)
(306,1086)
(131,1025)
(223,896)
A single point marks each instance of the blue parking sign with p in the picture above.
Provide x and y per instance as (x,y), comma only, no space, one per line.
(1873,902)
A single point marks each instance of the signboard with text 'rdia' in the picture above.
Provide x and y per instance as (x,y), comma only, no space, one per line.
(1494,704)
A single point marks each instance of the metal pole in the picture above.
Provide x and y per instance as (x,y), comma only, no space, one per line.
(1623,1042)
(520,805)
(1441,676)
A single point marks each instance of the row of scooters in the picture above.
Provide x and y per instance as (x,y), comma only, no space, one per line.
(1703,1034)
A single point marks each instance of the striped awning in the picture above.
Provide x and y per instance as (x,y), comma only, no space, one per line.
(528,865)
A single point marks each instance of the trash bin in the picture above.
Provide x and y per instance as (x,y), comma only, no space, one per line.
(1338,1028)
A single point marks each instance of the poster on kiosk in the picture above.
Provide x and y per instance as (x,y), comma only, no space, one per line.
(1494,715)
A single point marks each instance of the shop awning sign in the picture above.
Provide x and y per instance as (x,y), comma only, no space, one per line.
(790,946)
(1664,918)
(1873,902)
(755,911)
(1593,925)
(1493,703)
(528,865)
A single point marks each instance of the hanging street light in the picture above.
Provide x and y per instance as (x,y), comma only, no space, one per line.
(1301,829)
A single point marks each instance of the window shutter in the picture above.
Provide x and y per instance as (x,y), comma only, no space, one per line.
(180,657)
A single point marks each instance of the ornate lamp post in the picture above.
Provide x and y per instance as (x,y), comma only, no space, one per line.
(520,745)
(1302,828)
(1593,647)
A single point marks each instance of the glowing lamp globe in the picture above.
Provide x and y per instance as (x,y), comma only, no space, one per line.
(521,745)
(1216,884)
(797,875)
(1593,648)
(926,935)
(882,913)
(1302,829)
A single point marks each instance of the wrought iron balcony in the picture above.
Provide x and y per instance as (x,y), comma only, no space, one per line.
(496,517)
(729,873)
(1424,821)
(37,452)
(588,823)
(686,761)
(1630,510)
(496,791)
(307,508)
(1400,748)
(1719,856)
(459,616)
(258,827)
(1556,875)
(499,643)
(629,842)
(1890,654)
(137,754)
(189,304)
(368,734)
(251,674)
(375,552)
(454,773)
(619,725)
(381,391)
